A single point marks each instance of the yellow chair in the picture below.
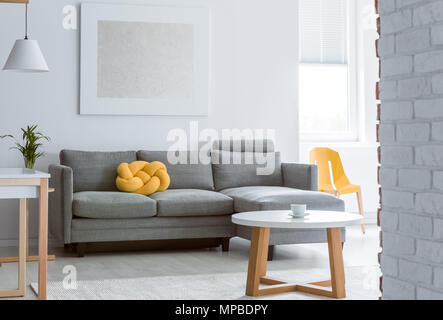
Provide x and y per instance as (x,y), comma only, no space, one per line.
(322,157)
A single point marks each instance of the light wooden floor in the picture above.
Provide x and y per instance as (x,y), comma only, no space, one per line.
(360,250)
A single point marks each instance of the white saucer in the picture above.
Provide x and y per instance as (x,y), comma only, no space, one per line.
(299,216)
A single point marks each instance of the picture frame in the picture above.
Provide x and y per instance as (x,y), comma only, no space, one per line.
(144,60)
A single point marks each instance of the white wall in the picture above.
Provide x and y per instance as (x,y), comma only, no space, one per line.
(360,158)
(254,79)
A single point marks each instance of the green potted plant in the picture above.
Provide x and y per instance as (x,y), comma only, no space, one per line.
(31,146)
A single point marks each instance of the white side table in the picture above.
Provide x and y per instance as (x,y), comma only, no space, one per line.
(262,221)
(17,183)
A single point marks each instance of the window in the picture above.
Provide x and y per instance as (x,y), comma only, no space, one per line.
(328,104)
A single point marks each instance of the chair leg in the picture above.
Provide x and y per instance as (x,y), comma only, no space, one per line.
(360,209)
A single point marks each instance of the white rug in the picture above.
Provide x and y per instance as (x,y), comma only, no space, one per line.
(361,284)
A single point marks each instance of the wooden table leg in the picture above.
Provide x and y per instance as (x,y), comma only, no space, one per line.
(264,262)
(258,262)
(22,246)
(27,227)
(29,258)
(336,263)
(51,257)
(361,211)
(43,239)
(257,259)
(21,290)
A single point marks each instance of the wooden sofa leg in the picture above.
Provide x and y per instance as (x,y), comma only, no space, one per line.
(225,244)
(270,252)
(81,248)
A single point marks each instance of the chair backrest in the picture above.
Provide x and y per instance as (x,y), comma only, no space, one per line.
(322,157)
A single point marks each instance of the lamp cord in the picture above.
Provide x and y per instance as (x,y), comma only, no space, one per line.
(26,22)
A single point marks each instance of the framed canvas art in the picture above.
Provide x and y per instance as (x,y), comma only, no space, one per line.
(144,60)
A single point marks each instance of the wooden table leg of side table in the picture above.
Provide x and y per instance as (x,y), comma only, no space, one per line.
(43,239)
(336,263)
(29,258)
(22,246)
(21,290)
(51,257)
(257,259)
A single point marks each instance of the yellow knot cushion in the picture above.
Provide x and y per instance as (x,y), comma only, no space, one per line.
(142,177)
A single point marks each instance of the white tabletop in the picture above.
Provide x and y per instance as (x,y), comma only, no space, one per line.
(282,219)
(21,173)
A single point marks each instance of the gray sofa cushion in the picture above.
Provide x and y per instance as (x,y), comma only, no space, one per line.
(155,228)
(95,171)
(280,198)
(151,223)
(112,205)
(192,202)
(240,175)
(183,176)
(244,145)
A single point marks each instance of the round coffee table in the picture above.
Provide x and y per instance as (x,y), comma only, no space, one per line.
(262,221)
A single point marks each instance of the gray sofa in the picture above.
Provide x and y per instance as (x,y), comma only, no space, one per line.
(87,208)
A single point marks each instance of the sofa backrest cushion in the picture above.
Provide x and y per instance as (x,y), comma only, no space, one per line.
(183,175)
(244,145)
(93,170)
(241,170)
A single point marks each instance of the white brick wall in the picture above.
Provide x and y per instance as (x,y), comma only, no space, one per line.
(411,137)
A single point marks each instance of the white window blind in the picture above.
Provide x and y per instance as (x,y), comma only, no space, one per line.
(323,31)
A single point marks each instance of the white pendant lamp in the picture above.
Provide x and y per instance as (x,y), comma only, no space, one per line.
(26,55)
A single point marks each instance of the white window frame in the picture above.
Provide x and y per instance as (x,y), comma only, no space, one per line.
(353,134)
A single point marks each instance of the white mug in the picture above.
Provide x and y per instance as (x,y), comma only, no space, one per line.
(298,209)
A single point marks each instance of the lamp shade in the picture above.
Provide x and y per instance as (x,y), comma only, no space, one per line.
(26,56)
